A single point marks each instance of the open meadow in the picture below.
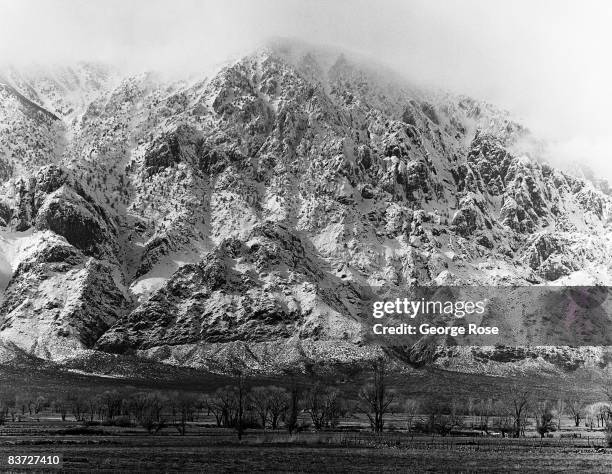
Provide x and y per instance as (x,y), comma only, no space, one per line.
(162,419)
(206,448)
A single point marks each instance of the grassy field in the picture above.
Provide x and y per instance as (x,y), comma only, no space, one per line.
(329,458)
(351,448)
(209,449)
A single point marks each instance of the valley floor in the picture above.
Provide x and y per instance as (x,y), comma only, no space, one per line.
(114,449)
(101,447)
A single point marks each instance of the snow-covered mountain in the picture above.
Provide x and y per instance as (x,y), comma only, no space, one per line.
(240,214)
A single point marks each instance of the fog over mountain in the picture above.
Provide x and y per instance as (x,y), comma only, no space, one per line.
(544,61)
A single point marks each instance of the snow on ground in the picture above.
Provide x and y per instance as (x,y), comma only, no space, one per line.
(142,287)
(14,246)
(596,275)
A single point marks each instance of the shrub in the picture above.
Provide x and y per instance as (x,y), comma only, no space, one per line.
(545,423)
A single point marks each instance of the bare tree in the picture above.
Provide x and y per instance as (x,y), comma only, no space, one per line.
(22,402)
(278,403)
(411,408)
(147,410)
(78,406)
(229,405)
(93,406)
(590,416)
(241,399)
(61,406)
(560,410)
(575,408)
(484,410)
(183,409)
(39,404)
(504,418)
(112,402)
(260,400)
(603,415)
(375,398)
(545,422)
(6,403)
(519,402)
(4,411)
(293,406)
(324,406)
(222,405)
(443,417)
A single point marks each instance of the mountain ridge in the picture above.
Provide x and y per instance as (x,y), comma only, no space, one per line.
(241,213)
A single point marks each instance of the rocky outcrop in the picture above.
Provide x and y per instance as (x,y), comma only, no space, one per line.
(52,200)
(243,213)
(59,301)
(68,214)
(266,288)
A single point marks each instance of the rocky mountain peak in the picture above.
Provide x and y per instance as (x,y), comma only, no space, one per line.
(185,219)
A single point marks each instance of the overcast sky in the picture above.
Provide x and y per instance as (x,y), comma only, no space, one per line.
(547,61)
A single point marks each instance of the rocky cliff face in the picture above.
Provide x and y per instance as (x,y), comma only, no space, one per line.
(243,213)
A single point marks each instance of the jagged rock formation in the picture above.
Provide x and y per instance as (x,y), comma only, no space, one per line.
(242,213)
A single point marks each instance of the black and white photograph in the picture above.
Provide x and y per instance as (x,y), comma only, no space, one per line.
(305,236)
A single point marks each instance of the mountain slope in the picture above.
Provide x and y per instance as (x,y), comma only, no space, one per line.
(243,214)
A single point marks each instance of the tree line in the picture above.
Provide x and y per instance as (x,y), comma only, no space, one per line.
(318,405)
